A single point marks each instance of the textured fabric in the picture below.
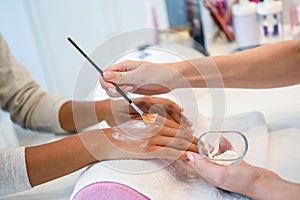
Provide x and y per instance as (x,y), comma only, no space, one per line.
(28,105)
(109,191)
(13,171)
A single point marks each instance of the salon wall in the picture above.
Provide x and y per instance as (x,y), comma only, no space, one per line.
(36,31)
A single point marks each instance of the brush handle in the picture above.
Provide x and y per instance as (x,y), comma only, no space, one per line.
(122,93)
(118,89)
(86,56)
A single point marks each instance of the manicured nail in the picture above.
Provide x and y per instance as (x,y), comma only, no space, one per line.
(189,122)
(112,91)
(108,75)
(191,157)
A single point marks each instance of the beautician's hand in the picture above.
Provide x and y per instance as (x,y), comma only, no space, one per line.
(139,77)
(163,139)
(119,111)
(251,181)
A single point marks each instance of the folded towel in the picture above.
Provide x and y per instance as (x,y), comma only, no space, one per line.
(178,181)
(284,157)
(109,190)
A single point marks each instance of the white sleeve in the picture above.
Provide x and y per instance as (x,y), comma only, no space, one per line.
(13,171)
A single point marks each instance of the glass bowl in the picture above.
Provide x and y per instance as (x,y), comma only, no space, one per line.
(223,147)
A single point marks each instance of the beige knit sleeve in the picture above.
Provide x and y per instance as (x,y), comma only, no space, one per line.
(28,105)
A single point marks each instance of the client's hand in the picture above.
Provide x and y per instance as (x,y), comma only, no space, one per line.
(251,181)
(163,139)
(139,77)
(119,111)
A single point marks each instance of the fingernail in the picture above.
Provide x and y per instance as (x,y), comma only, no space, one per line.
(112,91)
(189,123)
(191,157)
(108,75)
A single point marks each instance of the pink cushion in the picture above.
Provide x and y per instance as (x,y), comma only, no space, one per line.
(109,191)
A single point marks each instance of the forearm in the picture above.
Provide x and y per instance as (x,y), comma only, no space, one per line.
(274,65)
(75,116)
(276,189)
(50,161)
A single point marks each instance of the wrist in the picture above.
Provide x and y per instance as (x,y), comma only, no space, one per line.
(103,108)
(66,119)
(274,187)
(182,74)
(98,143)
(200,72)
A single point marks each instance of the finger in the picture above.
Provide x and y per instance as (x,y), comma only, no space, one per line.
(172,109)
(112,92)
(224,145)
(175,117)
(212,172)
(104,84)
(124,88)
(165,112)
(166,153)
(127,88)
(114,77)
(235,178)
(175,112)
(174,106)
(186,121)
(184,157)
(180,119)
(110,88)
(164,122)
(183,145)
(117,72)
(175,143)
(179,133)
(125,66)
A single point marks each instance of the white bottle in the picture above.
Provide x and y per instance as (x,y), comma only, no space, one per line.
(271,24)
(246,24)
(296,29)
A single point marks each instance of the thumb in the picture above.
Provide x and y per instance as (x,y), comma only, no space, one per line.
(114,77)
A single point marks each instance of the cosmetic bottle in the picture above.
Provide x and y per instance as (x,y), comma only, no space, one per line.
(245,24)
(296,27)
(271,21)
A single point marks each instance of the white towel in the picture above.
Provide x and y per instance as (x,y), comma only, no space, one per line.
(284,157)
(179,181)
